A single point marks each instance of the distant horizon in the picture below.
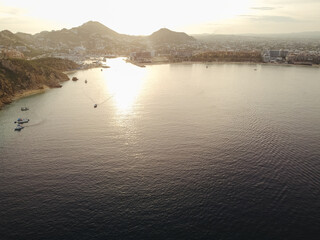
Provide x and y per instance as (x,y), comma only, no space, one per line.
(142,17)
(205,33)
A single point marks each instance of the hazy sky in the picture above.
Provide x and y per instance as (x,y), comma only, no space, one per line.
(142,17)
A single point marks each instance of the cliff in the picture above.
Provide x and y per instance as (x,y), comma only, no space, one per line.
(18,76)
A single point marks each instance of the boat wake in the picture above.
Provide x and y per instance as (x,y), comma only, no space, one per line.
(96,103)
(35,122)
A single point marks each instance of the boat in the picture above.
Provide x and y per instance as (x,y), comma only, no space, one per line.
(86,81)
(95,106)
(75,79)
(18,127)
(21,121)
(24,109)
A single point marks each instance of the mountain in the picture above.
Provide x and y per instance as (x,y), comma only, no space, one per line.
(8,38)
(88,31)
(93,37)
(95,28)
(24,36)
(165,36)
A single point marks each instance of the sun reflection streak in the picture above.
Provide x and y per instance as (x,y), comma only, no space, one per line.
(125,84)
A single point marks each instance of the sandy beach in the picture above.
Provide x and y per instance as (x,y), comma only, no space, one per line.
(28,93)
(23,94)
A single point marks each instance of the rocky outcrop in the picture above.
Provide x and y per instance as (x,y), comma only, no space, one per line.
(18,76)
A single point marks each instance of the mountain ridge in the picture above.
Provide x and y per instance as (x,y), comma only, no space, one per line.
(94,37)
(164,35)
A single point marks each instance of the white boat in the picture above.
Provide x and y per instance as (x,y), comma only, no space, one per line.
(21,121)
(24,109)
(18,127)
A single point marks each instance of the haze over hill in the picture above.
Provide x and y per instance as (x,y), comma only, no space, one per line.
(165,35)
(294,35)
(94,37)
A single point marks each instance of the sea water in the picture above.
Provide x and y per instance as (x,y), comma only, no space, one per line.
(172,151)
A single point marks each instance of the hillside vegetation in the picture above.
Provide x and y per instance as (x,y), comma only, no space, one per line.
(18,76)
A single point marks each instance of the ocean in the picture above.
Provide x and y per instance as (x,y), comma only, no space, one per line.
(172,151)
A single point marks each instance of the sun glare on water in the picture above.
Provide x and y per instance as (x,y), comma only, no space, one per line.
(125,86)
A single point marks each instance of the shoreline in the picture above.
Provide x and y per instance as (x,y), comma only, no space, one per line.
(21,78)
(23,94)
(30,92)
(221,62)
(44,88)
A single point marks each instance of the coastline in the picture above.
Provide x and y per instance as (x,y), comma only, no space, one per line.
(222,62)
(23,94)
(44,88)
(30,92)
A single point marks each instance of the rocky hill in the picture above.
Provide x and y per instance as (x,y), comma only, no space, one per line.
(92,36)
(81,35)
(10,39)
(166,36)
(18,76)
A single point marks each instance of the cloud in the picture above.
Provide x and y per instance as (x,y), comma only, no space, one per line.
(263,8)
(4,10)
(30,25)
(269,18)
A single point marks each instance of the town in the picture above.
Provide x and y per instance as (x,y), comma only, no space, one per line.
(92,42)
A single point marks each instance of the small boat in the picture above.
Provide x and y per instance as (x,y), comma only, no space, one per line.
(75,79)
(24,109)
(21,121)
(86,81)
(18,127)
(95,106)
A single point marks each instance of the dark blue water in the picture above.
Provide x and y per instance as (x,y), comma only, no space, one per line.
(171,152)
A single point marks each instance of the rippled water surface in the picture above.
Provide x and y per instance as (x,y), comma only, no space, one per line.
(175,151)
